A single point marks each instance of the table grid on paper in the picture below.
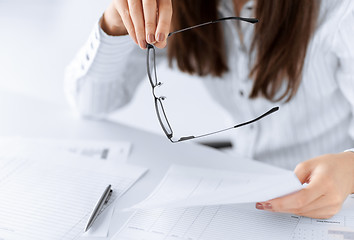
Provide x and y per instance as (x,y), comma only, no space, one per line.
(325,229)
(207,223)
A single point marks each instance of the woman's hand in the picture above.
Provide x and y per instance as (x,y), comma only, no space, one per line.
(144,20)
(330,180)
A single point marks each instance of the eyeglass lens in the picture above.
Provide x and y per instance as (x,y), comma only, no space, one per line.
(152,68)
(162,117)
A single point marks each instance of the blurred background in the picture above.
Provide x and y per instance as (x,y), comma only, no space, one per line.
(39,38)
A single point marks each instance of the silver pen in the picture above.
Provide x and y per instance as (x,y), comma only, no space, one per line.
(101,202)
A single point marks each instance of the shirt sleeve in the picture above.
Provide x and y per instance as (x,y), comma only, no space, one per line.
(344,49)
(104,74)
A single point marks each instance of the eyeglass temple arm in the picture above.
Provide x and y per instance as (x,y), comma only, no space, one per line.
(249,20)
(258,118)
(236,126)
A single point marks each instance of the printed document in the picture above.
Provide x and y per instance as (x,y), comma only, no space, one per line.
(196,203)
(177,219)
(340,226)
(229,222)
(224,222)
(50,195)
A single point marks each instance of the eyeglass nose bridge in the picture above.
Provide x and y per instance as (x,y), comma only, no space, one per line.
(155,91)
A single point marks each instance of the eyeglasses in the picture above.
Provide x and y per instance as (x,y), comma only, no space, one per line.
(160,111)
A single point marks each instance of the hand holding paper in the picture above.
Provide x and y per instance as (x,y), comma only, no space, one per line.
(330,181)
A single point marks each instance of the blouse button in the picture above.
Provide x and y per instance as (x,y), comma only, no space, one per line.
(241,93)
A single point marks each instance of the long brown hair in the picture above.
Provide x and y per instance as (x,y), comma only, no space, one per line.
(281,38)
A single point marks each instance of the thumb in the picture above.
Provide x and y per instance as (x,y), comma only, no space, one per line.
(303,171)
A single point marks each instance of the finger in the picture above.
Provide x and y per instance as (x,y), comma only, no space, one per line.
(303,171)
(150,9)
(298,200)
(164,22)
(136,12)
(160,44)
(123,10)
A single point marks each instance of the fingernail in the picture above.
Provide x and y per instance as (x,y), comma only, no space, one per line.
(160,37)
(142,44)
(259,206)
(151,38)
(268,206)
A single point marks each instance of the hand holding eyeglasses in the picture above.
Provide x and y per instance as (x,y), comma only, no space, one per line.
(146,21)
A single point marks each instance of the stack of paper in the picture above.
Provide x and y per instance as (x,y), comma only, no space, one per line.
(49,194)
(207,204)
(194,203)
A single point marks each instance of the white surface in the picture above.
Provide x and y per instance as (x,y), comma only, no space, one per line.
(192,187)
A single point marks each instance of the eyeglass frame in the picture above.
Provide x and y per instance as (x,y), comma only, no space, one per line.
(158,100)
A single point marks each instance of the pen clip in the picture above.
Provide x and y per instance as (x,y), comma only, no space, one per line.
(109,196)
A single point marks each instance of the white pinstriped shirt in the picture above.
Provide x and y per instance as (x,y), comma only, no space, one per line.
(318,120)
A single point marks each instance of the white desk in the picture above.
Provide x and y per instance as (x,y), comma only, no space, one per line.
(24,116)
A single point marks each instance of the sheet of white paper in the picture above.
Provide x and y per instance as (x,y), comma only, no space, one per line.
(50,195)
(226,222)
(187,186)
